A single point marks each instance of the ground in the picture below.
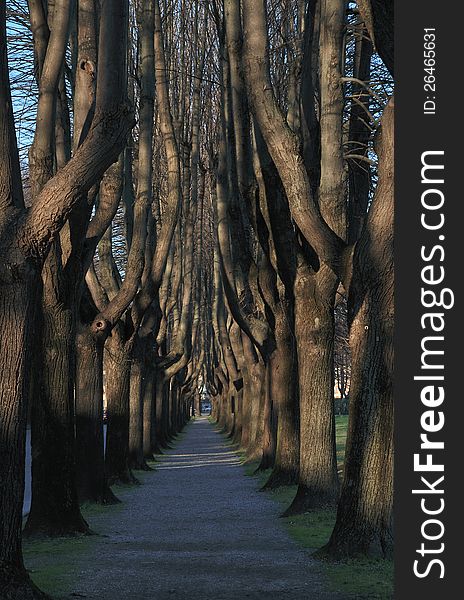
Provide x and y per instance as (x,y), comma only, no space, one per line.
(196,529)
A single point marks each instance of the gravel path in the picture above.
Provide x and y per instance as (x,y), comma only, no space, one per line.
(196,529)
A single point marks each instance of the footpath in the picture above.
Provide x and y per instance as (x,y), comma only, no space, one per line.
(197,529)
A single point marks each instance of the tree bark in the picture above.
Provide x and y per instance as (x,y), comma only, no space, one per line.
(26,240)
(269,425)
(136,402)
(284,390)
(256,416)
(54,506)
(364,517)
(92,482)
(17,299)
(117,377)
(149,437)
(314,330)
(277,237)
(315,288)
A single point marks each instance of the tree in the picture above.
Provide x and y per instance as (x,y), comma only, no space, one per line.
(314,284)
(28,236)
(324,237)
(55,507)
(364,518)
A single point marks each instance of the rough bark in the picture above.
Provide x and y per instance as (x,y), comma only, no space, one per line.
(25,246)
(314,330)
(92,482)
(160,431)
(256,415)
(284,391)
(117,377)
(149,437)
(283,144)
(269,425)
(17,298)
(16,307)
(54,506)
(136,412)
(364,517)
(315,289)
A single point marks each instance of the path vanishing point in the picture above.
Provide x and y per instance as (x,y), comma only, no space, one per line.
(197,529)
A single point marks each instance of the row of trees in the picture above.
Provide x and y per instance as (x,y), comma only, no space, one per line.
(201,196)
(310,224)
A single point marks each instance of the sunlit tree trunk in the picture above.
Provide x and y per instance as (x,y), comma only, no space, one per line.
(315,291)
(364,517)
(25,245)
(54,506)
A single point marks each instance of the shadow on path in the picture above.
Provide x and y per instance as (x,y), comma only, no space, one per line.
(196,529)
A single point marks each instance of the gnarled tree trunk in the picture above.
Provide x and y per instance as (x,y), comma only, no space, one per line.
(117,377)
(25,242)
(92,482)
(54,506)
(17,312)
(364,518)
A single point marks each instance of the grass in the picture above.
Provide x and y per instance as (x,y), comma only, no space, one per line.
(51,562)
(361,579)
(341,429)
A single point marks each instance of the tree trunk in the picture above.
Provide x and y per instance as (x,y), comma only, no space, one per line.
(237,349)
(229,413)
(246,407)
(55,506)
(25,242)
(117,374)
(254,449)
(166,413)
(159,429)
(269,426)
(364,518)
(136,409)
(156,429)
(314,330)
(284,390)
(92,481)
(17,295)
(222,410)
(149,438)
(176,394)
(277,235)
